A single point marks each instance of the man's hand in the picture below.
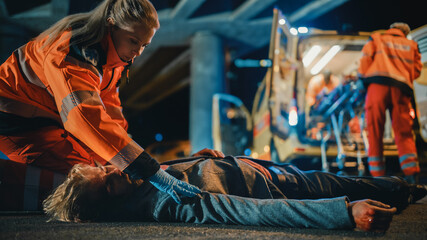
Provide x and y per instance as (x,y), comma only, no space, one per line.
(209,152)
(174,187)
(370,215)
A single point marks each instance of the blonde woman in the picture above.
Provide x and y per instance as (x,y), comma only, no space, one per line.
(59,102)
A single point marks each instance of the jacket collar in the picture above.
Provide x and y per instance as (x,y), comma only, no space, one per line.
(395,32)
(113,59)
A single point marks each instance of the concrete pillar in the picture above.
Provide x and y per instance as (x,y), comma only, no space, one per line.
(207,78)
(12,36)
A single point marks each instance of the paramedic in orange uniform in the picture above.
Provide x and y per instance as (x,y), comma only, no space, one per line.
(59,99)
(319,87)
(389,64)
(323,84)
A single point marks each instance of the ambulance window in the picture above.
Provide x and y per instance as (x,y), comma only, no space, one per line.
(261,99)
(284,64)
(283,41)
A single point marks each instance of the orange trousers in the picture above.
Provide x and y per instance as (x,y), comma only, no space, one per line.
(50,147)
(378,99)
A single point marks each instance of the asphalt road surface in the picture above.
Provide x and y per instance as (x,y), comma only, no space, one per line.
(411,224)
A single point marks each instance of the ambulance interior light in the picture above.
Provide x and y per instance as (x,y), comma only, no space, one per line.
(311,55)
(325,59)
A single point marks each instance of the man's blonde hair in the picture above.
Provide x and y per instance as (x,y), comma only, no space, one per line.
(73,200)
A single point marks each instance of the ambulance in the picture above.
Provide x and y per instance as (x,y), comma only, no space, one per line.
(283,128)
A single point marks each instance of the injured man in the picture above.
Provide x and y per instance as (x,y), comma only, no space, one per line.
(234,190)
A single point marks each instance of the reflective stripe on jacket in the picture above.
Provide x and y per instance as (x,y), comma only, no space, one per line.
(391,59)
(74,85)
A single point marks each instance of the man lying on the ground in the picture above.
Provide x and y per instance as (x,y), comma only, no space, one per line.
(235,190)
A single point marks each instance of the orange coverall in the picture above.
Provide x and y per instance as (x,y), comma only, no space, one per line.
(70,95)
(317,84)
(389,64)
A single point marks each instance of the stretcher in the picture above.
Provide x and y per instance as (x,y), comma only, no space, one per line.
(335,111)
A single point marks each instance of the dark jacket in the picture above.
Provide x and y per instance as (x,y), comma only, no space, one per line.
(233,193)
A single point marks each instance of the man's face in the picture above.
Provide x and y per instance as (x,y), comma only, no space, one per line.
(327,78)
(131,42)
(115,181)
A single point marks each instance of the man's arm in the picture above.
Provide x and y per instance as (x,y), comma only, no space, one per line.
(418,65)
(367,57)
(229,209)
(313,89)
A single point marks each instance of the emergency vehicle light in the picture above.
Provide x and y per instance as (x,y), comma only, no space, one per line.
(247,152)
(158,137)
(293,116)
(247,63)
(294,31)
(299,149)
(303,30)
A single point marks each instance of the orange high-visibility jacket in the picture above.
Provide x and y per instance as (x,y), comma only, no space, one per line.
(391,59)
(76,86)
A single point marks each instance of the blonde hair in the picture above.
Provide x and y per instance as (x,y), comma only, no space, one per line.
(90,27)
(402,26)
(82,198)
(70,200)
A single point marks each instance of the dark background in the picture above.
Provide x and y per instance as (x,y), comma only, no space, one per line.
(170,117)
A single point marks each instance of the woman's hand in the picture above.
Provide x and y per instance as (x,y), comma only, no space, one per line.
(172,186)
(370,215)
(209,152)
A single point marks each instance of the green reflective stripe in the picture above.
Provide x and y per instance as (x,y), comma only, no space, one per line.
(76,98)
(127,155)
(26,70)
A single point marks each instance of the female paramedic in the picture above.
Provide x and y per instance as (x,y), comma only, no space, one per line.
(59,100)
